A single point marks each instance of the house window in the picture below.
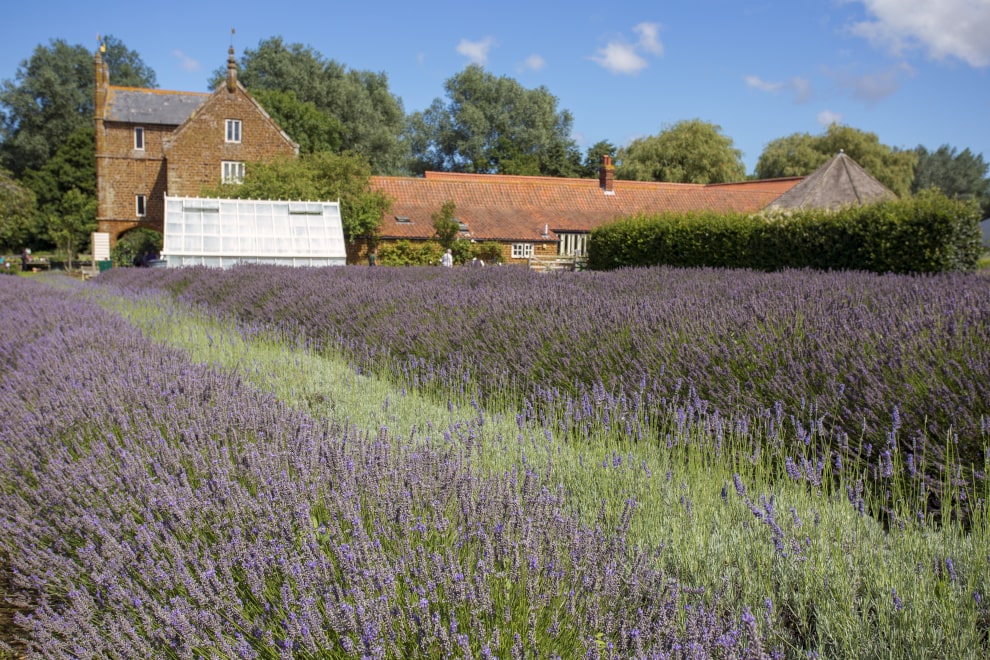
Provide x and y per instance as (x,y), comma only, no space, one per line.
(522,250)
(140,205)
(233,130)
(139,138)
(573,245)
(233,171)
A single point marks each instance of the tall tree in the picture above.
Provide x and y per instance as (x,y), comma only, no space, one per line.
(312,129)
(52,96)
(957,174)
(800,154)
(72,167)
(690,151)
(593,157)
(18,214)
(493,125)
(371,118)
(72,224)
(445,226)
(321,175)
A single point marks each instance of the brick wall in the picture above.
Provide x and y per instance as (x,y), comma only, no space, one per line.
(194,154)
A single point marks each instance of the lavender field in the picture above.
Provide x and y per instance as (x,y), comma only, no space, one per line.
(393,463)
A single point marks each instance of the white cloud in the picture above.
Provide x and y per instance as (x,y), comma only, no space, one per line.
(476,51)
(533,63)
(827,118)
(649,37)
(187,63)
(943,28)
(620,56)
(871,87)
(800,87)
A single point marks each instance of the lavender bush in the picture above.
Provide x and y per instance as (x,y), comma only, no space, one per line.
(157,508)
(849,357)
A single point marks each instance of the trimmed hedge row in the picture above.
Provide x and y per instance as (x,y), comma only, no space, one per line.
(928,233)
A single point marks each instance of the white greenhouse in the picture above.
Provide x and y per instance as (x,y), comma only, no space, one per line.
(224,232)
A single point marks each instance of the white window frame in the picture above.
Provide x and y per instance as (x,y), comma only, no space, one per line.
(141,205)
(139,138)
(522,250)
(232,171)
(232,128)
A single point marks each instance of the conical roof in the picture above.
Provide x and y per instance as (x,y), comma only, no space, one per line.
(839,182)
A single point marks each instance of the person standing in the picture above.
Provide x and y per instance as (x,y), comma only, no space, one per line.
(372,256)
(447,260)
(25,259)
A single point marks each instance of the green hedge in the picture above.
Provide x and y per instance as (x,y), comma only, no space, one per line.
(927,233)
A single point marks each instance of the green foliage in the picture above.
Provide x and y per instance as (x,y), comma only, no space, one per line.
(320,176)
(488,251)
(72,225)
(408,253)
(358,104)
(690,151)
(957,174)
(135,243)
(493,125)
(445,226)
(52,97)
(18,214)
(928,233)
(310,128)
(593,158)
(73,167)
(801,154)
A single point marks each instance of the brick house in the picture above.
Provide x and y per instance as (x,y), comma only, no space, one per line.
(535,216)
(151,142)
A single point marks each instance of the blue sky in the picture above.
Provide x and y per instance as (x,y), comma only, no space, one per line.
(911,71)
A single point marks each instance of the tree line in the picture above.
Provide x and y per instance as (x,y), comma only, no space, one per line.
(349,125)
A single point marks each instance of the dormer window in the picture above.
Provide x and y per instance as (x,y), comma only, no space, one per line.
(403,219)
(139,138)
(461,225)
(233,130)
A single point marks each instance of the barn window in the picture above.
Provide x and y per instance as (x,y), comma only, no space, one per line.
(522,250)
(140,206)
(233,130)
(139,138)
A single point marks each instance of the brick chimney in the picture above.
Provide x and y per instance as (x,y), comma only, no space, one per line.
(606,175)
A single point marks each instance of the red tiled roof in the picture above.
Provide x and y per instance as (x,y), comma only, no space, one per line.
(518,208)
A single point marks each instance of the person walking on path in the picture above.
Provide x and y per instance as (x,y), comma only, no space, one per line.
(447,260)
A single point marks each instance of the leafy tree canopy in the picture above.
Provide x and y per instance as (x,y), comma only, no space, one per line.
(957,174)
(493,124)
(52,96)
(18,214)
(72,223)
(73,167)
(800,154)
(312,129)
(690,151)
(366,117)
(593,158)
(318,176)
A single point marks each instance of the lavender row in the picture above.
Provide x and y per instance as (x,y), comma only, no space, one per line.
(850,354)
(156,508)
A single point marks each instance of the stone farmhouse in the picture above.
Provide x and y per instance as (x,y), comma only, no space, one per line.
(151,142)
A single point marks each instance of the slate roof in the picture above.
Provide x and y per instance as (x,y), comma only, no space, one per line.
(520,208)
(839,182)
(152,106)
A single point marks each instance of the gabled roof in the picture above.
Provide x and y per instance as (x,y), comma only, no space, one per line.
(134,105)
(839,182)
(521,208)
